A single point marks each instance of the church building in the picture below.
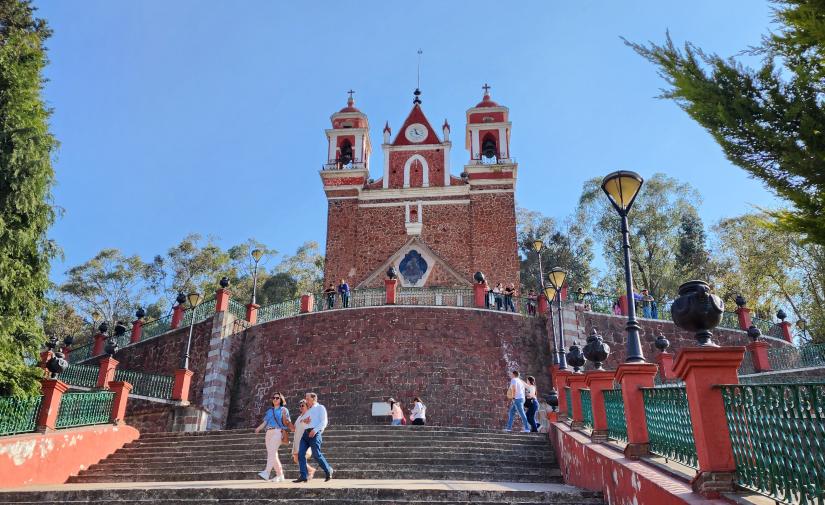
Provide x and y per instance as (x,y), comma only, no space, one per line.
(435,227)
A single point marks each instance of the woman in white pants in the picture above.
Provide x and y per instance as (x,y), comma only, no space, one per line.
(276,421)
(299,428)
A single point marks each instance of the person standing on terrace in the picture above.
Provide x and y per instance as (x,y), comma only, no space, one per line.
(330,294)
(343,290)
(509,292)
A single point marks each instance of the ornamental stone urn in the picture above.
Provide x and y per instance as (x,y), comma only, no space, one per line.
(478,277)
(596,350)
(575,358)
(754,333)
(57,364)
(553,399)
(391,273)
(224,283)
(697,310)
(662,343)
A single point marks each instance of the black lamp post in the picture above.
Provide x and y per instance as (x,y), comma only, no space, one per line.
(621,188)
(256,255)
(550,295)
(194,299)
(556,277)
(538,246)
(802,324)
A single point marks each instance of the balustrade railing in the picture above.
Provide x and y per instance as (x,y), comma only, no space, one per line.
(80,353)
(83,409)
(156,327)
(787,358)
(147,384)
(746,367)
(614,408)
(778,438)
(587,408)
(668,424)
(80,375)
(369,297)
(237,309)
(18,414)
(202,312)
(279,310)
(447,297)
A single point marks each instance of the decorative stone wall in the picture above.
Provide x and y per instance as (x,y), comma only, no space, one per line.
(456,360)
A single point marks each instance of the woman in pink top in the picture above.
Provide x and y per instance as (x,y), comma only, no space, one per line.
(396,412)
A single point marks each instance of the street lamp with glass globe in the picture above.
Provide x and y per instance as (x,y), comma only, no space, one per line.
(194,300)
(556,278)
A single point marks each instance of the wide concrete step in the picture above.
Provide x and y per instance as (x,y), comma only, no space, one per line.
(396,472)
(307,495)
(119,462)
(504,438)
(354,428)
(353,444)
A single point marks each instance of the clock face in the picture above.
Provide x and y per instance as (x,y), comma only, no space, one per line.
(416,132)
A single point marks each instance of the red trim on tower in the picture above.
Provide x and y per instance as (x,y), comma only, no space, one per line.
(492,175)
(416,116)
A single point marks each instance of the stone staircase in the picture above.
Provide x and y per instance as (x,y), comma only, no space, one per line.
(376,453)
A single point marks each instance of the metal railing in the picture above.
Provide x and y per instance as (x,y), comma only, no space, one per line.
(778,438)
(202,312)
(80,375)
(279,310)
(80,353)
(237,309)
(746,367)
(437,297)
(84,409)
(668,424)
(587,408)
(19,414)
(787,358)
(147,384)
(614,408)
(156,327)
(370,297)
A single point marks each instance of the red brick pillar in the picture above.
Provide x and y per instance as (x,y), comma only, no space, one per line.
(177,315)
(744,314)
(121,390)
(137,331)
(222,300)
(576,383)
(252,312)
(478,295)
(785,326)
(759,355)
(53,390)
(560,381)
(542,305)
(665,362)
(702,368)
(307,304)
(390,286)
(632,377)
(100,340)
(106,374)
(180,390)
(598,381)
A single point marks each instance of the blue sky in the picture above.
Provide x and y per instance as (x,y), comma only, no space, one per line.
(208,116)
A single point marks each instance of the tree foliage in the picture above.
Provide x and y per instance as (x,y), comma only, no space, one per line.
(567,247)
(26,178)
(306,266)
(655,223)
(770,120)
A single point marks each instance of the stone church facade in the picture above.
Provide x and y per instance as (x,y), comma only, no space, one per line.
(435,227)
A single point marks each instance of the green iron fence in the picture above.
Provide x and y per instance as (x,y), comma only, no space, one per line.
(784,378)
(614,407)
(238,309)
(18,414)
(668,424)
(80,353)
(368,297)
(147,384)
(787,358)
(204,309)
(567,398)
(730,320)
(80,375)
(746,367)
(279,310)
(587,408)
(156,327)
(778,438)
(83,409)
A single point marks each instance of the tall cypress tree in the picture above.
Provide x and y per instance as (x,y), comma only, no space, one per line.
(26,177)
(770,121)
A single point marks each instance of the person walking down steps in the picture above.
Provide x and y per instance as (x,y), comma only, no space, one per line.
(316,422)
(515,393)
(276,421)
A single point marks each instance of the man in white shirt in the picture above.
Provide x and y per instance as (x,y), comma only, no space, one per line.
(316,422)
(517,391)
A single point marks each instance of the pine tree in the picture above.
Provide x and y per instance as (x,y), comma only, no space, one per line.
(26,177)
(769,121)
(691,255)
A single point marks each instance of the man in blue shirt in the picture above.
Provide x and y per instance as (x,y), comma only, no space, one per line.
(316,421)
(343,290)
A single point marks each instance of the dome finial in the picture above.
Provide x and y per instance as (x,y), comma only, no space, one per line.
(350,100)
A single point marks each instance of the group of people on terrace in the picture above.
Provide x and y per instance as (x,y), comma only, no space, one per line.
(501,297)
(342,291)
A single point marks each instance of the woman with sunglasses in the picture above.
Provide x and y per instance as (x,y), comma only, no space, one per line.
(276,421)
(299,428)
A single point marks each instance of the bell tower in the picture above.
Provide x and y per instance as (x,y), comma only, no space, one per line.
(348,139)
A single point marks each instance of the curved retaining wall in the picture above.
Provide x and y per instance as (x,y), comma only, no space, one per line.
(456,360)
